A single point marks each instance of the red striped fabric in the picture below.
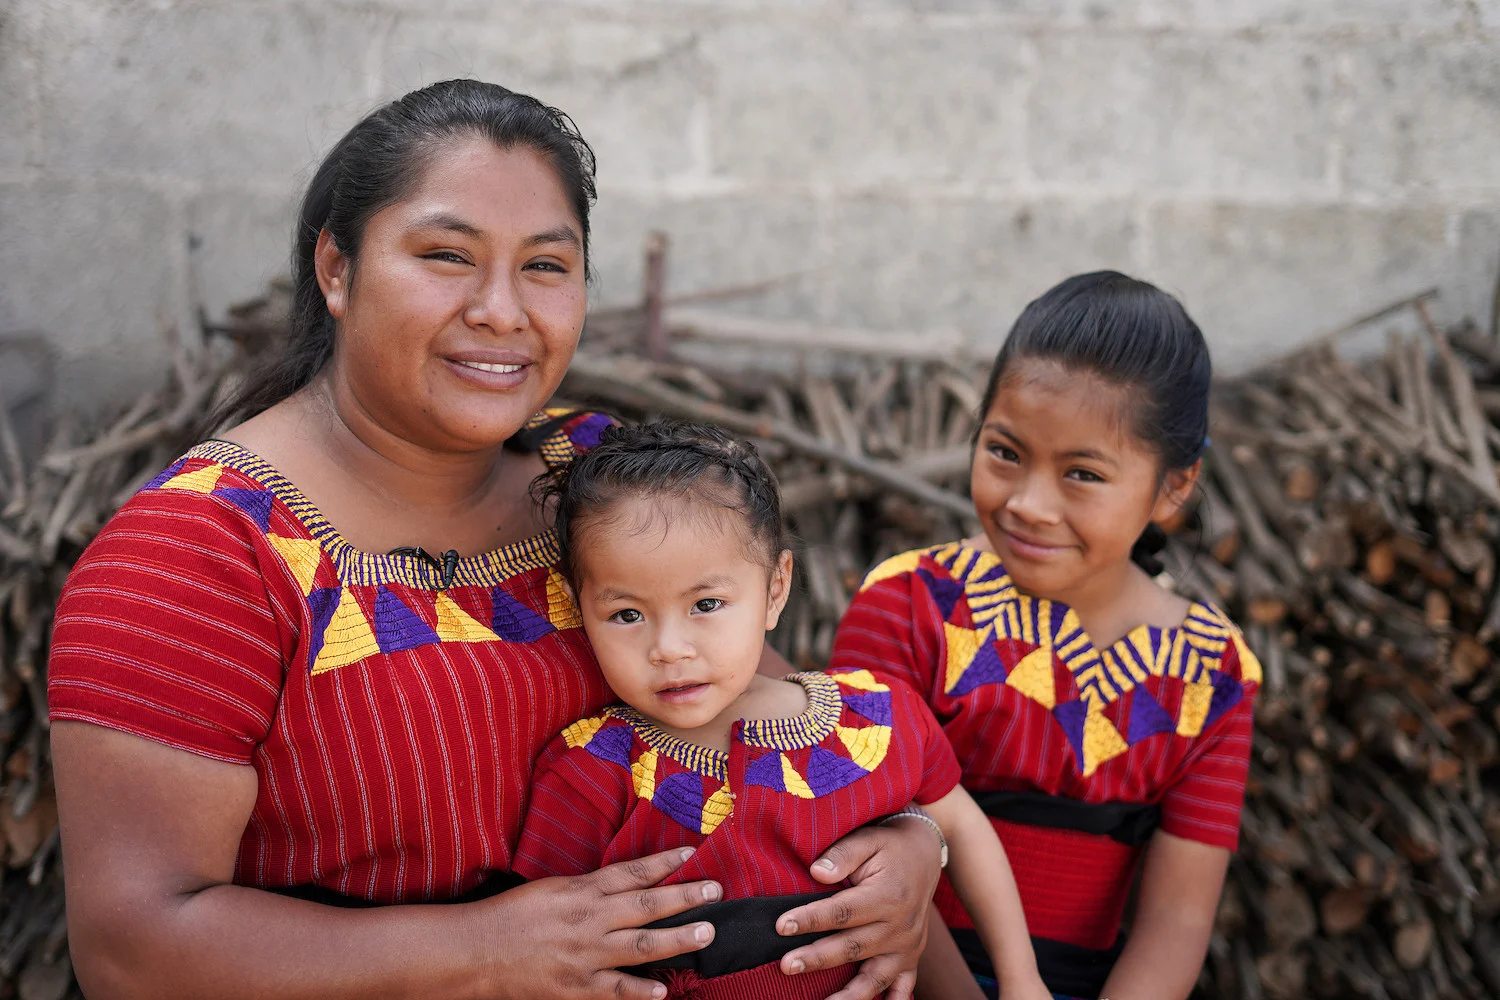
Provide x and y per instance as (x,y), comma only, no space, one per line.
(1163,717)
(392,722)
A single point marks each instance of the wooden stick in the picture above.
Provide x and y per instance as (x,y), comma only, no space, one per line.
(656,281)
(1461,384)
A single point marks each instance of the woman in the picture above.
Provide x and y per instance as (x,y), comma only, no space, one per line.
(263,724)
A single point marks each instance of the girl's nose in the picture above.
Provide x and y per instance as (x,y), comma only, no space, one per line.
(670,646)
(496,304)
(1033,502)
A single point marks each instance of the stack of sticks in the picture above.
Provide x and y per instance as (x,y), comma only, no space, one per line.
(1347,518)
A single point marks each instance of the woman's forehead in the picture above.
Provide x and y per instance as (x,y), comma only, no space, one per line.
(472,184)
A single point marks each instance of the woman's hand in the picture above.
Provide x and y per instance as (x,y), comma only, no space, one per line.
(881,920)
(563,938)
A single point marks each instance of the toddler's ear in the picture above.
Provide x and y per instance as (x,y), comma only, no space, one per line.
(781,588)
(1176,490)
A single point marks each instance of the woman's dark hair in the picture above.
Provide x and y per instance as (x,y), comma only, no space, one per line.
(1134,335)
(667,457)
(373,166)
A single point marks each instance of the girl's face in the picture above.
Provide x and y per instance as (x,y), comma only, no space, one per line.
(467,300)
(1061,485)
(676,608)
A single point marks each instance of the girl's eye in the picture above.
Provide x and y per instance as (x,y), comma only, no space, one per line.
(1004,453)
(626,616)
(447,256)
(708,604)
(1085,476)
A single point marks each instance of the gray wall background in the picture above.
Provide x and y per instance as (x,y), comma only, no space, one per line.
(1283,165)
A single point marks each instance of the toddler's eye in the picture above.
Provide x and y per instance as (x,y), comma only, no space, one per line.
(626,616)
(708,604)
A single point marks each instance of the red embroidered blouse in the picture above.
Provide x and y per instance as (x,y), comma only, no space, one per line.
(392,722)
(1030,704)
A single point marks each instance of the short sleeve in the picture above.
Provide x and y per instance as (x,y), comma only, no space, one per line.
(165,630)
(940,768)
(1204,802)
(886,629)
(578,804)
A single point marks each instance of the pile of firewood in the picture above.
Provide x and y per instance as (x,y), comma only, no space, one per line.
(1348,518)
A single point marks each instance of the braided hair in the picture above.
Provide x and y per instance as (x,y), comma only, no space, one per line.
(671,459)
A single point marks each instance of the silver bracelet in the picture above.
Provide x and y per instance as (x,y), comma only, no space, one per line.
(917,812)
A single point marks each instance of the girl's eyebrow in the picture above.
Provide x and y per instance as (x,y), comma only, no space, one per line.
(717,582)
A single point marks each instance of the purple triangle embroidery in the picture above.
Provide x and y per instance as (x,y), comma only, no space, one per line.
(612,743)
(256,504)
(514,621)
(765,771)
(1070,715)
(1227,694)
(828,772)
(165,474)
(1147,717)
(680,796)
(589,430)
(945,591)
(397,626)
(872,705)
(323,602)
(985,668)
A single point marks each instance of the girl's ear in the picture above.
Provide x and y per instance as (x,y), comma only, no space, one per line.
(1175,490)
(781,588)
(332,268)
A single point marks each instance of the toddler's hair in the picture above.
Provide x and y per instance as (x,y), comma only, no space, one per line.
(1137,336)
(671,458)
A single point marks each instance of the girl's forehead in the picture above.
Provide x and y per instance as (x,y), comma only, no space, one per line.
(1060,408)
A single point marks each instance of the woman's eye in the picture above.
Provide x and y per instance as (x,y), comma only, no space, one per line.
(626,616)
(708,604)
(549,266)
(445,255)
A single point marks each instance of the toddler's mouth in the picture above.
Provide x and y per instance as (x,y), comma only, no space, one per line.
(682,692)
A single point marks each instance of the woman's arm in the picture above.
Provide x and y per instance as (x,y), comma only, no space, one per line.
(943,974)
(981,875)
(150,835)
(1174,918)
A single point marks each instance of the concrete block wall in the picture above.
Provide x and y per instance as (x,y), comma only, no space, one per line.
(1282,165)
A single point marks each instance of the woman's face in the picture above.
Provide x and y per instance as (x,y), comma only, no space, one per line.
(465,307)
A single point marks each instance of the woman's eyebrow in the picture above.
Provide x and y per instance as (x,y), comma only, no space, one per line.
(562,234)
(449,221)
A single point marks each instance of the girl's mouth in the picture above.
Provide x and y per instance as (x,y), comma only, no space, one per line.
(682,693)
(1028,548)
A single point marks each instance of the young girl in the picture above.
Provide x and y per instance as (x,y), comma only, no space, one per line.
(1099,718)
(672,540)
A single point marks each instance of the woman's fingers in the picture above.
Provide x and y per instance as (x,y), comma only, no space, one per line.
(640,873)
(831,914)
(640,946)
(639,907)
(879,976)
(617,984)
(842,948)
(844,857)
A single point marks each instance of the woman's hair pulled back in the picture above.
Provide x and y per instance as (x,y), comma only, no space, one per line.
(1135,335)
(375,165)
(664,459)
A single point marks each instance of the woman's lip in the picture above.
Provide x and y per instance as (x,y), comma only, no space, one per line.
(1030,548)
(493,374)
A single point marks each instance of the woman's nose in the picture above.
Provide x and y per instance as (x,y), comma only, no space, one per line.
(497,304)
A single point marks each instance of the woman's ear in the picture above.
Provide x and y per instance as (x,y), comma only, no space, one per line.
(1175,491)
(332,268)
(781,588)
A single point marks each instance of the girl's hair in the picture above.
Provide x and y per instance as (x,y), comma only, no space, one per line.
(375,165)
(1137,336)
(664,458)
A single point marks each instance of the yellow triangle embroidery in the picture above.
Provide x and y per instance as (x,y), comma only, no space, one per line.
(906,562)
(1101,740)
(644,772)
(580,732)
(862,680)
(1196,698)
(303,557)
(348,637)
(963,643)
(1249,665)
(1033,677)
(867,746)
(200,481)
(793,780)
(717,809)
(562,612)
(454,624)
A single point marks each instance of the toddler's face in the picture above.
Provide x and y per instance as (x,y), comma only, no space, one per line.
(1061,485)
(676,608)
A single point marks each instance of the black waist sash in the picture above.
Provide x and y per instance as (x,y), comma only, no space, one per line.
(1067,969)
(744,929)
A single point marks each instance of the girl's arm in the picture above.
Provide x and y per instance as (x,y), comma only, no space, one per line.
(1174,918)
(943,974)
(981,876)
(150,835)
